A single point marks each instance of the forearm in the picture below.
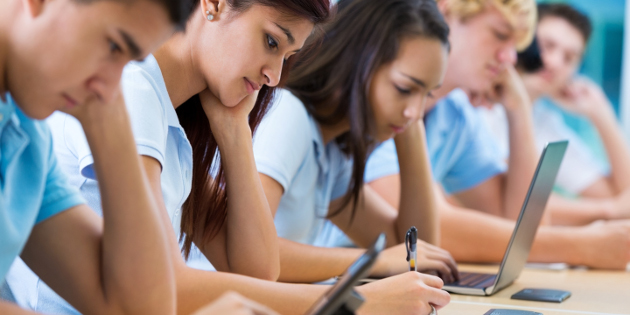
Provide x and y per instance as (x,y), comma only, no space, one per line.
(473,236)
(250,230)
(616,147)
(134,245)
(578,212)
(306,263)
(196,288)
(417,199)
(522,161)
(12,309)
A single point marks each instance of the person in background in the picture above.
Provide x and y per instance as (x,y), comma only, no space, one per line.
(466,162)
(563,33)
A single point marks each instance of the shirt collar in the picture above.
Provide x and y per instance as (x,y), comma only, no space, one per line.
(7,112)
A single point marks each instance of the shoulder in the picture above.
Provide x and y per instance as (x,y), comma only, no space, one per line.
(287,118)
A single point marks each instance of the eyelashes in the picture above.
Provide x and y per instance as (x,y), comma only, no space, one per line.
(271,42)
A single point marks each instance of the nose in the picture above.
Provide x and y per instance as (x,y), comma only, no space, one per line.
(552,59)
(273,72)
(507,54)
(414,110)
(106,81)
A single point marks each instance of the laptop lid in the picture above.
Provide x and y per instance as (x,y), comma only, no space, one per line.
(528,220)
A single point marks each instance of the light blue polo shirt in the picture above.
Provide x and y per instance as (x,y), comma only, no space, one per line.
(461,149)
(33,186)
(289,148)
(158,134)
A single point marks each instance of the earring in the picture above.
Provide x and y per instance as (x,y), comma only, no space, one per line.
(209,16)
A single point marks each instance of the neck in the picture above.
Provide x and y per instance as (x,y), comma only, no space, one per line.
(8,10)
(447,87)
(329,133)
(182,77)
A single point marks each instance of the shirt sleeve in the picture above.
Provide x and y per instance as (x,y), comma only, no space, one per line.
(479,157)
(147,116)
(282,139)
(59,195)
(382,162)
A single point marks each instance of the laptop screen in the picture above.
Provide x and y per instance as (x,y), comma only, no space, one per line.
(531,213)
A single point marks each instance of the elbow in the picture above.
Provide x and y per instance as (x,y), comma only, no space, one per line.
(269,271)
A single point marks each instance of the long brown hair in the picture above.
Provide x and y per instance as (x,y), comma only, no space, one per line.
(333,80)
(205,211)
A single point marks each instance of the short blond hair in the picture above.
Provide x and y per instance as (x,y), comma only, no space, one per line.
(521,14)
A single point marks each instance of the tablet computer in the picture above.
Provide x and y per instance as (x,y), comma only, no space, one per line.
(330,302)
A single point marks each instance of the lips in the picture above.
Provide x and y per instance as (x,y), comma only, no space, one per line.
(251,86)
(397,129)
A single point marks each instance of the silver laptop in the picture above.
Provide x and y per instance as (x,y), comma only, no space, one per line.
(524,232)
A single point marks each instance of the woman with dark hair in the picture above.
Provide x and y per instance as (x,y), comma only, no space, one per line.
(367,81)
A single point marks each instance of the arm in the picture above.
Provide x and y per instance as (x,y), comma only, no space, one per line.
(305,263)
(417,201)
(97,265)
(586,98)
(10,308)
(505,194)
(249,232)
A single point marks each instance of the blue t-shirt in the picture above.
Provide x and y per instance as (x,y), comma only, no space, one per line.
(33,186)
(462,151)
(289,148)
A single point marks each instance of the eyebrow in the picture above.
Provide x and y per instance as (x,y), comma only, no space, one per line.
(134,49)
(286,32)
(417,81)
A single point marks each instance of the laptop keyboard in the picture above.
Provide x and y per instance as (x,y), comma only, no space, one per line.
(474,280)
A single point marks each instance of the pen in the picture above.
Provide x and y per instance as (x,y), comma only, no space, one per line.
(410,243)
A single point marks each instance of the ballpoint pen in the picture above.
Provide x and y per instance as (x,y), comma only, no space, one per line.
(410,243)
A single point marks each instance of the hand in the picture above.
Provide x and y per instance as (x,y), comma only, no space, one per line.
(408,293)
(234,304)
(224,119)
(95,110)
(507,90)
(606,245)
(583,97)
(431,259)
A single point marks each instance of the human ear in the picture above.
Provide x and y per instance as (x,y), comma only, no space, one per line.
(211,9)
(34,7)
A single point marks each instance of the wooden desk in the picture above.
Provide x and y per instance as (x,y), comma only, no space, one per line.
(592,292)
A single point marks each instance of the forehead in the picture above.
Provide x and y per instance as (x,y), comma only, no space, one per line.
(561,32)
(422,58)
(146,22)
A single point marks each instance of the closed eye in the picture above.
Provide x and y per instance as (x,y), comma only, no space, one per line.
(114,48)
(402,90)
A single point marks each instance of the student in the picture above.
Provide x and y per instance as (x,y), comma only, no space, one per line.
(256,37)
(67,55)
(485,37)
(562,35)
(366,81)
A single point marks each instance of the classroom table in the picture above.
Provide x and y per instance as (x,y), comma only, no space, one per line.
(592,292)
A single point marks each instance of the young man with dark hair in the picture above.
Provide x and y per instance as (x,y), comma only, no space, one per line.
(68,55)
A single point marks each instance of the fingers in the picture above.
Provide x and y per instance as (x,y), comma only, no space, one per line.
(436,253)
(443,270)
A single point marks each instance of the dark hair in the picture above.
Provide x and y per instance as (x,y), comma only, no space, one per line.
(205,211)
(178,10)
(576,18)
(333,80)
